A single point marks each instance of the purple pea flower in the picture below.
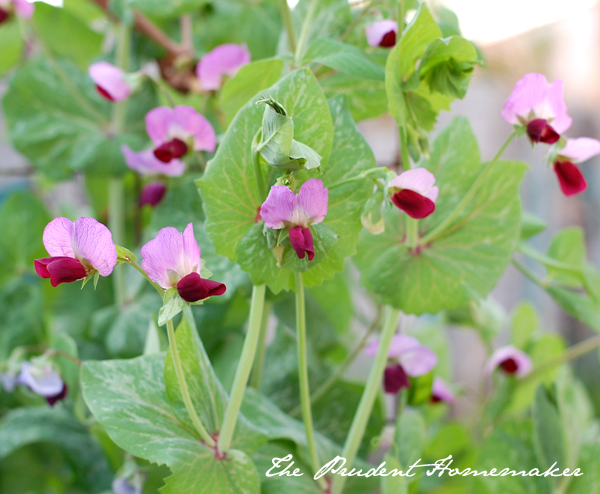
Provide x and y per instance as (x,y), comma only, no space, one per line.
(406,357)
(223,60)
(539,107)
(414,192)
(174,130)
(296,212)
(382,33)
(153,194)
(122,486)
(44,381)
(145,163)
(22,8)
(440,391)
(511,360)
(172,260)
(570,178)
(77,250)
(110,81)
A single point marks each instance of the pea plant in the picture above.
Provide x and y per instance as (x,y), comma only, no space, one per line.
(255,252)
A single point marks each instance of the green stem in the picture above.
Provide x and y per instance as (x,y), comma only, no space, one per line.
(303,376)
(259,360)
(401,15)
(359,423)
(479,181)
(243,369)
(185,393)
(404,149)
(528,273)
(303,40)
(286,15)
(373,173)
(412,232)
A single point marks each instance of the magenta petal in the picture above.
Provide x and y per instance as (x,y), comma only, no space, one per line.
(4,15)
(308,243)
(175,148)
(23,8)
(93,242)
(145,163)
(297,241)
(570,178)
(382,33)
(192,288)
(440,391)
(52,400)
(225,59)
(41,265)
(528,93)
(65,270)
(394,379)
(58,237)
(312,203)
(109,80)
(418,361)
(153,194)
(504,355)
(279,207)
(580,150)
(536,128)
(418,180)
(413,203)
(196,126)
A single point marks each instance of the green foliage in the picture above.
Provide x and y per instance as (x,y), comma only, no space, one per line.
(549,436)
(524,323)
(366,98)
(11,46)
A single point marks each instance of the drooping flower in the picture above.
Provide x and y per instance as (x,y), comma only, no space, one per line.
(406,357)
(145,163)
(153,193)
(43,380)
(440,391)
(175,130)
(511,360)
(382,33)
(22,8)
(223,60)
(77,250)
(110,81)
(539,107)
(296,212)
(123,486)
(570,178)
(172,260)
(414,192)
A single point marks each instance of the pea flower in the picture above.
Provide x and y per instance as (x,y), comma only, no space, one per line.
(172,260)
(110,81)
(414,192)
(440,391)
(122,485)
(9,381)
(43,380)
(570,178)
(539,107)
(382,33)
(223,60)
(175,130)
(153,194)
(77,250)
(406,357)
(296,212)
(511,360)
(22,8)
(145,163)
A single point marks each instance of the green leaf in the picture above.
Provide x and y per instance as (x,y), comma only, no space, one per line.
(524,322)
(173,304)
(581,307)
(589,463)
(568,247)
(409,438)
(344,58)
(250,80)
(30,425)
(125,255)
(466,262)
(393,484)
(152,345)
(167,8)
(11,45)
(366,98)
(549,437)
(305,155)
(531,225)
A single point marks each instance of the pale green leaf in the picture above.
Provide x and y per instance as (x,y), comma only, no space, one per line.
(366,98)
(524,322)
(173,305)
(548,434)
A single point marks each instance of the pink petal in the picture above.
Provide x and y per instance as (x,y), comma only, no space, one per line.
(279,207)
(191,251)
(145,163)
(44,382)
(440,391)
(195,125)
(158,123)
(413,203)
(579,150)
(161,255)
(521,359)
(110,78)
(93,242)
(153,194)
(312,202)
(377,31)
(432,194)
(418,179)
(23,8)
(58,236)
(570,178)
(401,343)
(559,120)
(418,361)
(529,92)
(223,60)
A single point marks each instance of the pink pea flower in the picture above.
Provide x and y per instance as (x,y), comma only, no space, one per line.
(172,260)
(110,81)
(440,391)
(414,192)
(153,194)
(539,107)
(570,178)
(77,250)
(22,8)
(174,130)
(406,357)
(43,380)
(511,360)
(382,33)
(145,163)
(223,60)
(296,212)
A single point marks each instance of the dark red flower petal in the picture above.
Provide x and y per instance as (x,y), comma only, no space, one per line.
(570,178)
(388,40)
(435,399)
(413,203)
(308,243)
(179,148)
(297,241)
(192,288)
(60,396)
(538,130)
(175,148)
(394,379)
(509,366)
(60,269)
(4,15)
(102,92)
(153,193)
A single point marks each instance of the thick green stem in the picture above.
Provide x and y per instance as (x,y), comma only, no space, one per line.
(303,40)
(303,376)
(479,181)
(359,423)
(185,393)
(259,360)
(243,370)
(412,232)
(286,15)
(404,149)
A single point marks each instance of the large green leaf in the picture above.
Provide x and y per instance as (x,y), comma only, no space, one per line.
(366,98)
(466,262)
(549,436)
(11,45)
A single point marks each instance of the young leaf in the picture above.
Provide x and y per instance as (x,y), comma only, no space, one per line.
(549,437)
(125,255)
(173,304)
